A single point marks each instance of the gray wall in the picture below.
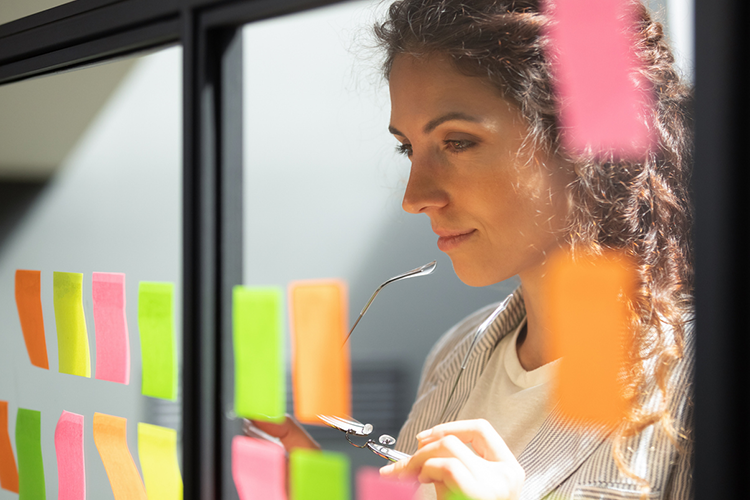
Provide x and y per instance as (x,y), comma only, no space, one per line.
(113,205)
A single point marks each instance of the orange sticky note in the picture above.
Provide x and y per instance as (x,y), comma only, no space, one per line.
(587,299)
(71,465)
(110,437)
(29,304)
(8,469)
(321,371)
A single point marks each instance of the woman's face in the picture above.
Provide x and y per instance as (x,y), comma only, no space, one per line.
(496,210)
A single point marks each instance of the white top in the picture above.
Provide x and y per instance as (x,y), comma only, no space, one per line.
(513,400)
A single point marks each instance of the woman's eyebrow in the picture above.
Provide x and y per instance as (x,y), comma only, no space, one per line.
(433,124)
(455,115)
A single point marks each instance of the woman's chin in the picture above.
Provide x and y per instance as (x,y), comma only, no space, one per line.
(473,275)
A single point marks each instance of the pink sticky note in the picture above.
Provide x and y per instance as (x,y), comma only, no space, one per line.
(259,469)
(112,341)
(370,486)
(71,468)
(605,102)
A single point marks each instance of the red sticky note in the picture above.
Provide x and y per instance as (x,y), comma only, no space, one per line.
(110,437)
(29,304)
(371,486)
(321,370)
(258,469)
(110,324)
(605,102)
(588,302)
(8,469)
(71,466)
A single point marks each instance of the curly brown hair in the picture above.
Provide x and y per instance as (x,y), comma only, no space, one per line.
(637,206)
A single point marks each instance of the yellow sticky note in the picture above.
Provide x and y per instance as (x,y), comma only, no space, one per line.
(72,338)
(157,451)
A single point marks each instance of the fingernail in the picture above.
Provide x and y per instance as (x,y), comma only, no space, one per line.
(424,434)
(387,469)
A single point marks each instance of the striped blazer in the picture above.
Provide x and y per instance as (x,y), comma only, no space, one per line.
(562,461)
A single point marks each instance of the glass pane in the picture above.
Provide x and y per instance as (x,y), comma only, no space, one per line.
(323,189)
(90,181)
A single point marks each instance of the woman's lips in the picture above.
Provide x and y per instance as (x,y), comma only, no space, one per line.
(448,242)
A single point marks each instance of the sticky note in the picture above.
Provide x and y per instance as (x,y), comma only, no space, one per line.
(71,466)
(315,475)
(587,300)
(29,304)
(111,327)
(605,101)
(259,374)
(110,438)
(456,495)
(157,452)
(8,470)
(72,338)
(371,486)
(258,469)
(29,447)
(158,348)
(321,371)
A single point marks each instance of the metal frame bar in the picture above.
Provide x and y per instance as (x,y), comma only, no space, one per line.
(720,180)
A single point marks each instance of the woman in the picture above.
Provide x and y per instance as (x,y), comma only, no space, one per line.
(473,107)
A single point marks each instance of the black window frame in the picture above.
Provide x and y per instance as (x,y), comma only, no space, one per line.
(88,31)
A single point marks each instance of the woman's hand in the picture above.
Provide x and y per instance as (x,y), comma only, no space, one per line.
(290,433)
(445,460)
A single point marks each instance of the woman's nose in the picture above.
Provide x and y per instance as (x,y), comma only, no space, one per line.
(423,191)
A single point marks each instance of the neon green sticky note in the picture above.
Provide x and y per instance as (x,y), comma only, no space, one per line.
(157,451)
(158,347)
(72,338)
(259,376)
(318,475)
(29,450)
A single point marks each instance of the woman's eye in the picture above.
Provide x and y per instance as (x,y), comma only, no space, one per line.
(459,145)
(404,149)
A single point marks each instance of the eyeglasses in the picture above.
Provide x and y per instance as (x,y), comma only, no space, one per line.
(351,427)
(414,273)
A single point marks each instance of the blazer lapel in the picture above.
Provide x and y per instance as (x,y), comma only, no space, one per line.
(557,451)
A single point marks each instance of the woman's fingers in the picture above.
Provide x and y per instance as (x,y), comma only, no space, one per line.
(289,432)
(447,447)
(449,471)
(479,433)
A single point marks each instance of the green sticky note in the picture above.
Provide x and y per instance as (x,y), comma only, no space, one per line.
(259,376)
(158,347)
(456,495)
(29,450)
(157,452)
(72,338)
(318,475)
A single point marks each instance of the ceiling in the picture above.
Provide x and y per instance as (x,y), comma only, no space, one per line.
(42,119)
(10,10)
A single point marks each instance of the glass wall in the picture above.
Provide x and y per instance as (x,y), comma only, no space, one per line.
(91,183)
